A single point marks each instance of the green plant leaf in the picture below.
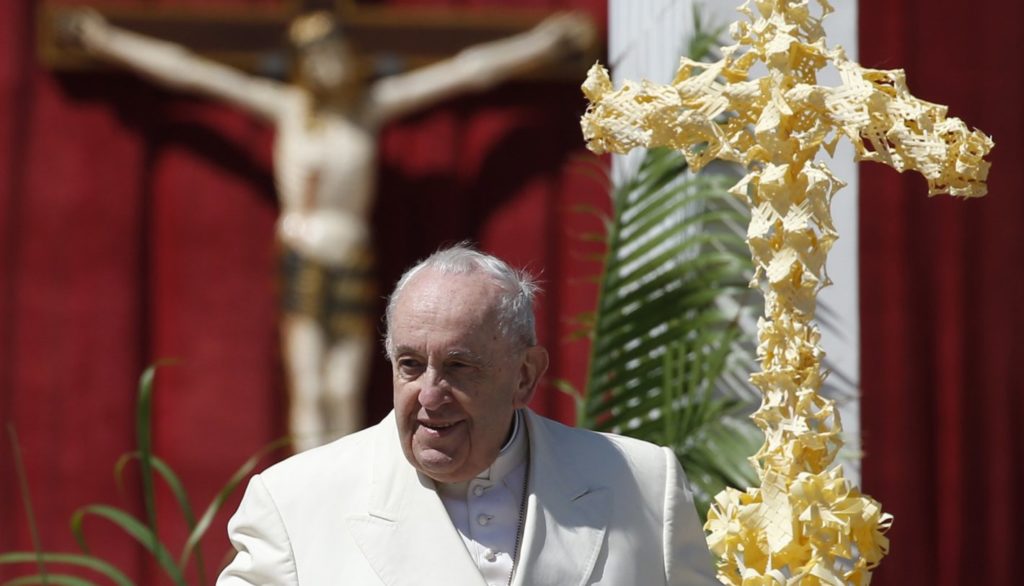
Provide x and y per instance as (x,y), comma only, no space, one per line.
(85,561)
(566,387)
(143,430)
(177,489)
(170,477)
(133,527)
(26,499)
(60,579)
(211,511)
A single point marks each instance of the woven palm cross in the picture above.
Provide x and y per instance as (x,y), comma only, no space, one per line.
(805,524)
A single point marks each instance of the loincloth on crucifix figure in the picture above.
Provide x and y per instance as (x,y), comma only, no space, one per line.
(326,122)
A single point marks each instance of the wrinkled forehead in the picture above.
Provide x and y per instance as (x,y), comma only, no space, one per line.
(467,297)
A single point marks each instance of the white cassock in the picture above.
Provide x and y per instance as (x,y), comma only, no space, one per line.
(601,509)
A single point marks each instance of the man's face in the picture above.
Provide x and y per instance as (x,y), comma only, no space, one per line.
(457,380)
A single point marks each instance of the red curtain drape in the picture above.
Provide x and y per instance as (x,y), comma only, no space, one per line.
(941,306)
(137,224)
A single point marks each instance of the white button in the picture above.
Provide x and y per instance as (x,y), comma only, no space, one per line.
(478,490)
(483,519)
(490,555)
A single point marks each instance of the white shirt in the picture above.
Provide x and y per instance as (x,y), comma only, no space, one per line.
(486,510)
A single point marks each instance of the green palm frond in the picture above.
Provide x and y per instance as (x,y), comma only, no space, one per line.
(662,338)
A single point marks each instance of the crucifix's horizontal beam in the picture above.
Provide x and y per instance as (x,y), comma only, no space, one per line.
(254,38)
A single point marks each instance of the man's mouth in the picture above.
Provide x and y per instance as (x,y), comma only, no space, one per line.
(439,427)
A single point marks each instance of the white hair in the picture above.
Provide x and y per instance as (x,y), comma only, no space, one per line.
(517,290)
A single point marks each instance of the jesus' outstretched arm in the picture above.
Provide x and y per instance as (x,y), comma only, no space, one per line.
(480,67)
(173,66)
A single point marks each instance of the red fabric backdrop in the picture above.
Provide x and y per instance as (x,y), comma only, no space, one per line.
(137,224)
(941,307)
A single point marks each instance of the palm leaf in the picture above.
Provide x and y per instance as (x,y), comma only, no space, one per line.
(662,338)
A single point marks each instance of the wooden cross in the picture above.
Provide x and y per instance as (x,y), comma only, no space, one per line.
(805,524)
(388,40)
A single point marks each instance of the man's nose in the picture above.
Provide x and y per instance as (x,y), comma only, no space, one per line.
(434,391)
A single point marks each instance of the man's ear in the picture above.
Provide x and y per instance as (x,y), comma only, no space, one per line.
(535,364)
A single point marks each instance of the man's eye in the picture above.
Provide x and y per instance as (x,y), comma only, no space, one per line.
(408,365)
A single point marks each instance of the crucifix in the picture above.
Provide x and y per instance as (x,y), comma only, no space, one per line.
(805,523)
(326,121)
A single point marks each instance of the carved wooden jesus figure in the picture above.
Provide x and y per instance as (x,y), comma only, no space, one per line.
(324,167)
(805,524)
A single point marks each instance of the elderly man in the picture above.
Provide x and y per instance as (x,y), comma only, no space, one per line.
(462,484)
